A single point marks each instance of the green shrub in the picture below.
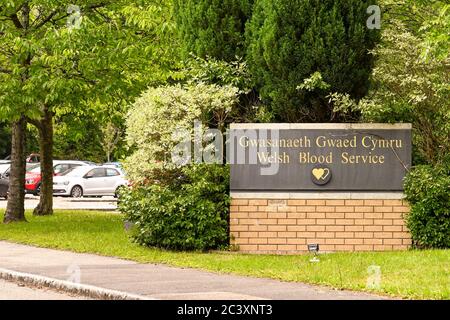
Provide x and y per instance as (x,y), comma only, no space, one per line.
(191,214)
(428,191)
(289,41)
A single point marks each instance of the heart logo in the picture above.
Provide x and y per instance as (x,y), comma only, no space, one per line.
(321,174)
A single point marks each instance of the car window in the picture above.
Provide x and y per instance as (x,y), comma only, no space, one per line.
(60,168)
(112,172)
(96,173)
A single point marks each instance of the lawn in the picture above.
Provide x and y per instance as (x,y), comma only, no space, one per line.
(409,274)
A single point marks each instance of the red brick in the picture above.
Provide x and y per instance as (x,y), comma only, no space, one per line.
(383,209)
(393,203)
(334,241)
(277,202)
(296,241)
(315,228)
(345,222)
(257,202)
(363,222)
(235,228)
(354,241)
(382,247)
(315,202)
(296,228)
(401,209)
(325,209)
(383,235)
(276,228)
(306,221)
(392,215)
(287,221)
(276,241)
(354,215)
(260,215)
(393,241)
(327,247)
(296,202)
(248,247)
(248,208)
(306,209)
(373,228)
(315,215)
(267,234)
(239,202)
(373,241)
(257,228)
(345,209)
(325,235)
(392,228)
(382,222)
(325,221)
(344,234)
(268,208)
(373,202)
(354,202)
(287,247)
(296,215)
(364,235)
(335,215)
(289,234)
(354,228)
(335,228)
(277,215)
(257,241)
(335,202)
(401,235)
(364,209)
(305,234)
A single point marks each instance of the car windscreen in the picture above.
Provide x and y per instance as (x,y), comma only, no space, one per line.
(34,169)
(75,172)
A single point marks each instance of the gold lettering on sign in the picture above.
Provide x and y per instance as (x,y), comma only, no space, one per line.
(374,143)
(275,157)
(307,157)
(324,142)
(346,158)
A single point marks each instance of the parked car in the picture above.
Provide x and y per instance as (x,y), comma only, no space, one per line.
(89,181)
(33,177)
(4,180)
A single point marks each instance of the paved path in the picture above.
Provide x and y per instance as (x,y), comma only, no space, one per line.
(156,281)
(60,203)
(12,291)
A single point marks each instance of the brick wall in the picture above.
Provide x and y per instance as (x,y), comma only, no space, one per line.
(287,226)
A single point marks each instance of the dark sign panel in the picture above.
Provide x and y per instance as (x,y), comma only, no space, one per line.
(303,157)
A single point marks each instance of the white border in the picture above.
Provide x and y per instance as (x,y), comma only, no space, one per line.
(324,126)
(319,195)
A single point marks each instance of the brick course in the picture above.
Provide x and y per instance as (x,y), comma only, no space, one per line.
(287,226)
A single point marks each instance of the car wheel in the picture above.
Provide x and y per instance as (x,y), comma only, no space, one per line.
(4,192)
(77,192)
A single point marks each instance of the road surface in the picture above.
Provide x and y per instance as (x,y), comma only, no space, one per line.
(13,291)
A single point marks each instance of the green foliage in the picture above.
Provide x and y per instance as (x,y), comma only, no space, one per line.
(213,28)
(160,113)
(5,141)
(191,214)
(428,191)
(410,82)
(291,40)
(120,48)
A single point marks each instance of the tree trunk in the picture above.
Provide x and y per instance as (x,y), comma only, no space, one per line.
(45,206)
(15,209)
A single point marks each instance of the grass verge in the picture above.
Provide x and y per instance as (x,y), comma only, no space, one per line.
(408,274)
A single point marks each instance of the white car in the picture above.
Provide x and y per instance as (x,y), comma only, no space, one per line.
(89,181)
